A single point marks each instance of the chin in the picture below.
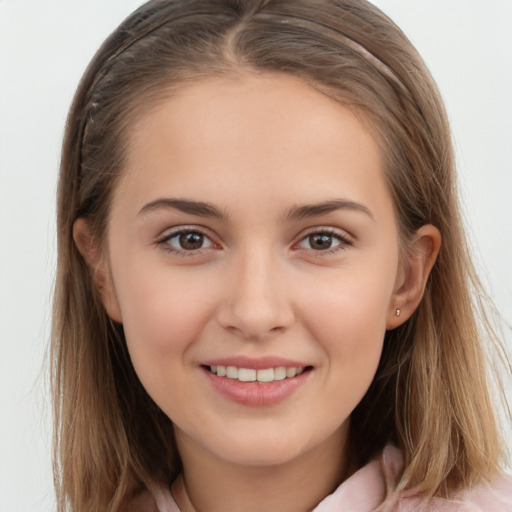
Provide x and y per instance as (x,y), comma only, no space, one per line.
(262,458)
(262,450)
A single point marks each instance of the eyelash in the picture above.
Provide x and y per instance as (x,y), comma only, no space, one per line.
(343,240)
(164,241)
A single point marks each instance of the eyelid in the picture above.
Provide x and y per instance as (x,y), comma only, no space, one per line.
(346,240)
(340,233)
(170,233)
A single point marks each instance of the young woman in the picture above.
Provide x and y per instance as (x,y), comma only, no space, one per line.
(264,295)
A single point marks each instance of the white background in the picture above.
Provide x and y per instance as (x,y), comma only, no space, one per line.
(45,46)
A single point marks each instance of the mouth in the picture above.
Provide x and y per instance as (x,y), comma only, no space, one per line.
(256,381)
(261,375)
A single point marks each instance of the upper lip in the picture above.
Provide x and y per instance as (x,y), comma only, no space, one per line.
(258,363)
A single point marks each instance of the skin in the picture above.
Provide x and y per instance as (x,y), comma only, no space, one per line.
(256,148)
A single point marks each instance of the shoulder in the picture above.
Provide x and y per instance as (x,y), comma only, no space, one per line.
(495,496)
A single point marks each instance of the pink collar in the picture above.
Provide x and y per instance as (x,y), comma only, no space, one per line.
(367,488)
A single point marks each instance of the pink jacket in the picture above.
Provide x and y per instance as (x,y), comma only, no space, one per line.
(365,490)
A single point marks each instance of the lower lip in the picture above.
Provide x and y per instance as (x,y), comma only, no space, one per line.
(256,393)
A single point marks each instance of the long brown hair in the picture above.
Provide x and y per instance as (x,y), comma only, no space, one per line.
(429,396)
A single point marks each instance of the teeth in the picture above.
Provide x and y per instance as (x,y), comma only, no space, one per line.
(266,375)
(291,372)
(232,372)
(246,375)
(280,373)
(252,375)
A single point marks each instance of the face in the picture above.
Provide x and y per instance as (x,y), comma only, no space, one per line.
(252,234)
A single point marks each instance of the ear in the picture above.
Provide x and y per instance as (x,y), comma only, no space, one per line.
(413,276)
(93,255)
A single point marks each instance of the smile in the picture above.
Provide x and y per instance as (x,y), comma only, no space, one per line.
(262,381)
(252,375)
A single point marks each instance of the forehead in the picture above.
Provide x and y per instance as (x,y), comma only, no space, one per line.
(246,132)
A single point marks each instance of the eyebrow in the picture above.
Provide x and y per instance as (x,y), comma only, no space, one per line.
(198,208)
(314,210)
(202,209)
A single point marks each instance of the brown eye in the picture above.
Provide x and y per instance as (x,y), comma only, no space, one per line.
(320,241)
(186,241)
(323,241)
(191,241)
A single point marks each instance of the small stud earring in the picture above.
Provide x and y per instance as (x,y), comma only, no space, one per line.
(398,312)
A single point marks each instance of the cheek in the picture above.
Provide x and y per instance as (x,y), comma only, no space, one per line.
(162,316)
(348,318)
(357,299)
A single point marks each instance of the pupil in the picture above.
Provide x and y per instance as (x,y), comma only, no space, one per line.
(320,242)
(191,241)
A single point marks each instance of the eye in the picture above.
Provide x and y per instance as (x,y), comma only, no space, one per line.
(186,241)
(323,241)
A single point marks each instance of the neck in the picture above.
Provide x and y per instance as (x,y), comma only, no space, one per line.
(209,484)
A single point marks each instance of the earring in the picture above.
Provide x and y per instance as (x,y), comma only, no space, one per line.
(398,312)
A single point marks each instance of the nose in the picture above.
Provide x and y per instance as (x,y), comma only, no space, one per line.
(257,301)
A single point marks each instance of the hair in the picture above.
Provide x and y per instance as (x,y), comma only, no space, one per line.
(430,394)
